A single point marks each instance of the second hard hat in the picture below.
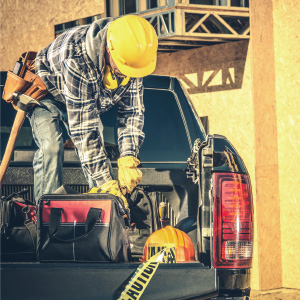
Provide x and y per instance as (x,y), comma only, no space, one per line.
(170,236)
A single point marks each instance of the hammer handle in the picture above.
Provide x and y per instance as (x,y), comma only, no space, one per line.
(24,65)
(19,119)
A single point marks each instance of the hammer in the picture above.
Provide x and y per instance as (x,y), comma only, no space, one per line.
(24,105)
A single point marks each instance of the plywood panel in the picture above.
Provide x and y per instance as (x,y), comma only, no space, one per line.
(287,65)
(29,25)
(266,147)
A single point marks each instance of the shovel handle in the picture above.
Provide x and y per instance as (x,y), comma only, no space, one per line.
(19,119)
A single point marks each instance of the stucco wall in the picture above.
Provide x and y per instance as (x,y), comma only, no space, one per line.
(265,145)
(276,87)
(286,19)
(29,24)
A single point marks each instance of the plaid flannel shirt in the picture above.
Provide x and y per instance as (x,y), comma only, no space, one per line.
(71,77)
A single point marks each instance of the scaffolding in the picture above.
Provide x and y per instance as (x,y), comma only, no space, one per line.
(186,24)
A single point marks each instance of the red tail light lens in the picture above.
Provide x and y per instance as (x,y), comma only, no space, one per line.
(233,221)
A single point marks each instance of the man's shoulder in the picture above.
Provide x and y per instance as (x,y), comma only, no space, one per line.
(68,45)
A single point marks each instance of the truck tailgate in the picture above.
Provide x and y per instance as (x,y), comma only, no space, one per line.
(90,281)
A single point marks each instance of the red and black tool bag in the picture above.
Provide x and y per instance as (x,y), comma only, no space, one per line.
(18,228)
(82,228)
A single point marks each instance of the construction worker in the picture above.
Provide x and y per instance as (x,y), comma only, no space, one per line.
(87,70)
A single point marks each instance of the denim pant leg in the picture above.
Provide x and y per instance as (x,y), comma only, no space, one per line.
(48,159)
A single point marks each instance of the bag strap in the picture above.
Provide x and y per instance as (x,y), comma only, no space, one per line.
(31,227)
(6,217)
(6,208)
(93,215)
(154,206)
(151,208)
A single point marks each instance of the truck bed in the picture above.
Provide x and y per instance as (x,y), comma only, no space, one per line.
(102,281)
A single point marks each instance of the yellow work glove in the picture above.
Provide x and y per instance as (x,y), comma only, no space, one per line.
(129,175)
(113,188)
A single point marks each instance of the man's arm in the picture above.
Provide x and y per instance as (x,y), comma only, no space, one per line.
(84,122)
(131,119)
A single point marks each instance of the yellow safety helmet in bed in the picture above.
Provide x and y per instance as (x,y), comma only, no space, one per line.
(170,236)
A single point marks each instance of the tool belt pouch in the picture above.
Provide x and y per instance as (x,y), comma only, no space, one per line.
(82,228)
(27,83)
(18,230)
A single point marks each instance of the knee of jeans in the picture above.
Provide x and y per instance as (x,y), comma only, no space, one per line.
(53,149)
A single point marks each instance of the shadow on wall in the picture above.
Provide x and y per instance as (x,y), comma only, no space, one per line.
(220,77)
(207,69)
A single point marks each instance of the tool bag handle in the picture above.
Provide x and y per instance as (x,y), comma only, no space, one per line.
(93,215)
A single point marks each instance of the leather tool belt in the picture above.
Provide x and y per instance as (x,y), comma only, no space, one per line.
(25,81)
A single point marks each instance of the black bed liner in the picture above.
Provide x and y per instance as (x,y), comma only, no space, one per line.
(55,281)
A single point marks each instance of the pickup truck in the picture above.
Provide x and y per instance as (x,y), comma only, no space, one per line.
(208,191)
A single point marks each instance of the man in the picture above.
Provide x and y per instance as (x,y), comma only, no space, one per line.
(87,70)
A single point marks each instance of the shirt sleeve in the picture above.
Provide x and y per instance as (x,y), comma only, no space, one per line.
(131,119)
(84,122)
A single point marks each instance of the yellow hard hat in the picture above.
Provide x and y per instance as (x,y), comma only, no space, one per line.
(132,42)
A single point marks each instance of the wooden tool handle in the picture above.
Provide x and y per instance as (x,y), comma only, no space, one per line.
(19,119)
(24,65)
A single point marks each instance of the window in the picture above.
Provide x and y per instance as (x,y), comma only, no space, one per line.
(128,7)
(60,28)
(240,3)
(152,3)
(108,8)
(236,3)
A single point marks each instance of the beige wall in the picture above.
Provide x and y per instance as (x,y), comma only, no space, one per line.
(266,148)
(276,90)
(29,24)
(286,19)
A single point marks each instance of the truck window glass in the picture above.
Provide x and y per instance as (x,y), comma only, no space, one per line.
(166,138)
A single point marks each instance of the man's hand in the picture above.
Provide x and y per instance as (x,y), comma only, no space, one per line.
(129,175)
(113,188)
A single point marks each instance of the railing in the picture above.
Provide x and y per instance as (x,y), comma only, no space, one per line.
(122,7)
(183,24)
(163,23)
(188,25)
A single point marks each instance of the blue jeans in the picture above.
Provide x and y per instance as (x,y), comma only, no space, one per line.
(48,159)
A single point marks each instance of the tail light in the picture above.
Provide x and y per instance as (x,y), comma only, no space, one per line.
(233,221)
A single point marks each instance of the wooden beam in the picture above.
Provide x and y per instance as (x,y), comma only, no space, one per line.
(218,35)
(246,31)
(222,9)
(210,11)
(164,24)
(199,23)
(204,28)
(225,24)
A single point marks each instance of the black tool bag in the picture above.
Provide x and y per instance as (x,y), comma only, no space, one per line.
(18,229)
(144,212)
(82,228)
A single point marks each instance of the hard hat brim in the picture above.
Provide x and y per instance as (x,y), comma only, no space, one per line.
(134,72)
